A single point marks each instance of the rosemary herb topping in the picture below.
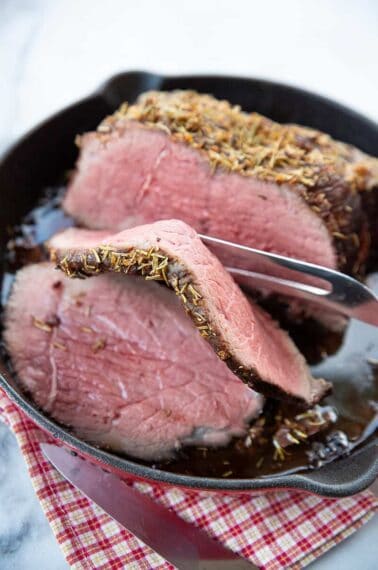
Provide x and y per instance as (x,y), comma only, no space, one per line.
(42,325)
(46,325)
(153,264)
(98,345)
(59,345)
(299,429)
(247,143)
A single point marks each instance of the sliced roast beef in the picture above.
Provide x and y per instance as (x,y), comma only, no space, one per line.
(118,361)
(238,176)
(242,335)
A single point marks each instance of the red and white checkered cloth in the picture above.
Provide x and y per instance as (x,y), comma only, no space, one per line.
(275,531)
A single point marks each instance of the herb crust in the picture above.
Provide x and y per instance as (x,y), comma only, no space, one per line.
(328,175)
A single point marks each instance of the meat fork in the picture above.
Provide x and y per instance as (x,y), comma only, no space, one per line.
(325,287)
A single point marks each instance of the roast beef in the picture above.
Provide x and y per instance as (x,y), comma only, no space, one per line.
(118,362)
(242,334)
(238,176)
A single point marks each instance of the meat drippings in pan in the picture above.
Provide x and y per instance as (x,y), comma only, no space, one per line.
(282,439)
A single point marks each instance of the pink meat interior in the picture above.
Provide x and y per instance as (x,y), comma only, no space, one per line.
(121,364)
(142,175)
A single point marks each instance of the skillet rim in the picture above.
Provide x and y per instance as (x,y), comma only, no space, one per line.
(307,481)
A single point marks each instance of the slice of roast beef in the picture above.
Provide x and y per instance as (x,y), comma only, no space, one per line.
(117,360)
(238,176)
(242,334)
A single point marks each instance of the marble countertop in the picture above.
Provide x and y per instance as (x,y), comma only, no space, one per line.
(56,51)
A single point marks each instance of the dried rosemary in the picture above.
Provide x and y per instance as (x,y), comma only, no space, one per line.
(247,143)
(154,265)
(317,166)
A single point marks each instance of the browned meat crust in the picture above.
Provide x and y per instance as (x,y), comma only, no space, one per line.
(329,175)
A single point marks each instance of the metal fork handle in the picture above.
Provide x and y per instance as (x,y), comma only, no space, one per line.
(341,293)
(366,311)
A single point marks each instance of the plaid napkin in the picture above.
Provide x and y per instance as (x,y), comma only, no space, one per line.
(276,530)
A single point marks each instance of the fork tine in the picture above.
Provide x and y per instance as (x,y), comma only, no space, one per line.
(330,289)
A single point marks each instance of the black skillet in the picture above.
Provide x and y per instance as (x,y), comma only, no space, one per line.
(40,158)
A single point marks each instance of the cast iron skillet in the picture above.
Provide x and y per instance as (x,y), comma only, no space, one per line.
(39,160)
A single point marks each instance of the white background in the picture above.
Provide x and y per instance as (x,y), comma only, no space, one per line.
(53,52)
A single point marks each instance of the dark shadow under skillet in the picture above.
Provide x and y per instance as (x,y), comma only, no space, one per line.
(41,158)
